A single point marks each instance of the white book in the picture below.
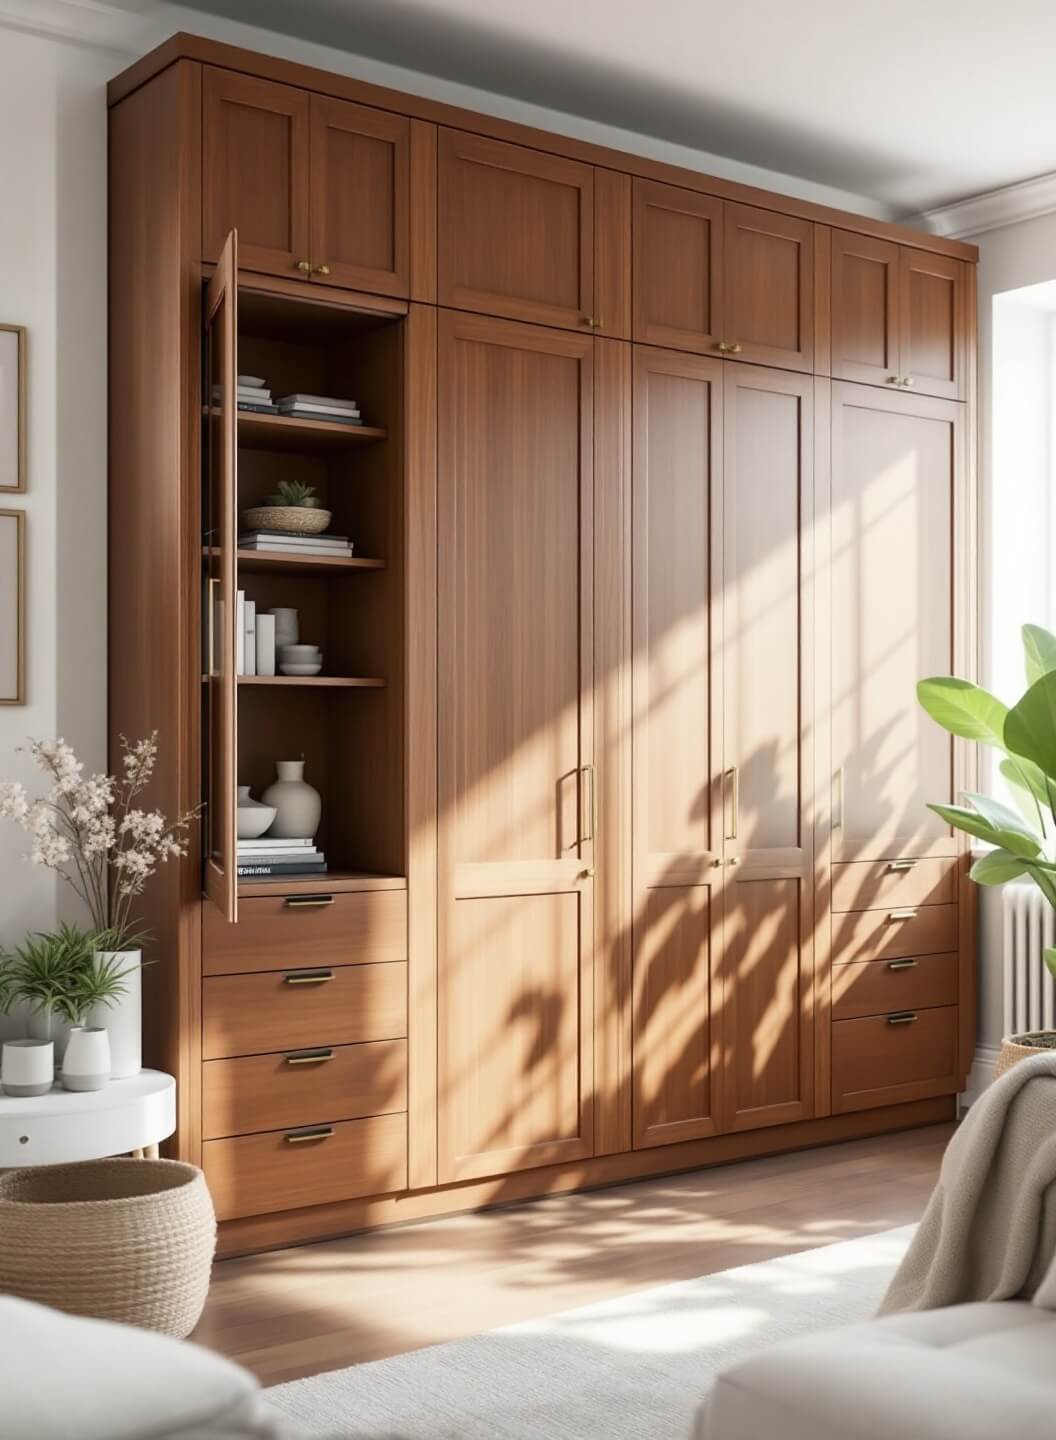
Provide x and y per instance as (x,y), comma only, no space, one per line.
(263,842)
(340,551)
(265,644)
(327,402)
(240,632)
(250,639)
(320,412)
(277,857)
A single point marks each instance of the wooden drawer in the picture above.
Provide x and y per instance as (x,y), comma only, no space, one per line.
(887,884)
(279,932)
(260,1014)
(875,987)
(888,934)
(300,1087)
(256,1174)
(890,1058)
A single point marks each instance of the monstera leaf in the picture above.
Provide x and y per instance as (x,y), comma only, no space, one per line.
(964,709)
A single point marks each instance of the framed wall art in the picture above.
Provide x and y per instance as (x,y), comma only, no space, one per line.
(12,607)
(12,409)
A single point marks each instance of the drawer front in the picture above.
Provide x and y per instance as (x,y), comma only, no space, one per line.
(888,884)
(889,1059)
(257,1174)
(888,934)
(261,1014)
(876,987)
(301,1087)
(279,932)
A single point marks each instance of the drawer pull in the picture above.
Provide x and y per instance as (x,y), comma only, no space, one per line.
(308,902)
(907,1018)
(309,1057)
(308,977)
(902,964)
(897,865)
(317,1132)
(907,914)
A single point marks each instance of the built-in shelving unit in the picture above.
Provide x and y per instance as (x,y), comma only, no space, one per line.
(263,562)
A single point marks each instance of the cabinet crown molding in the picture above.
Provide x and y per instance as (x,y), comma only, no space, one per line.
(1008,205)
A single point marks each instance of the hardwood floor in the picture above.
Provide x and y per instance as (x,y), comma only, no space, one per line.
(320,1307)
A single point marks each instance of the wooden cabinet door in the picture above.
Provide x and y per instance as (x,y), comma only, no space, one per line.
(515,231)
(895,507)
(360,200)
(932,323)
(255,171)
(768,287)
(677,275)
(515,747)
(865,309)
(677,830)
(767,742)
(218,602)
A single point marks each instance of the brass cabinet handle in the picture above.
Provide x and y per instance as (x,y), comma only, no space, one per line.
(592,806)
(210,668)
(907,913)
(837,820)
(587,874)
(896,865)
(320,269)
(906,1018)
(304,266)
(902,964)
(734,777)
(734,860)
(894,380)
(308,977)
(594,321)
(728,347)
(308,902)
(309,1057)
(908,381)
(317,1132)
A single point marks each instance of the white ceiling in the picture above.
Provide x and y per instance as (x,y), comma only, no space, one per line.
(914,103)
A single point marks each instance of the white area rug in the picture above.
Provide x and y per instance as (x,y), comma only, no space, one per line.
(635,1367)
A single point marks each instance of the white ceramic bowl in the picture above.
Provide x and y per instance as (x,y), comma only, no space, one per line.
(253,820)
(300,654)
(301,669)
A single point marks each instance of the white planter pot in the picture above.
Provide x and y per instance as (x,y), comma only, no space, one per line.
(46,1025)
(27,1067)
(124,1018)
(87,1062)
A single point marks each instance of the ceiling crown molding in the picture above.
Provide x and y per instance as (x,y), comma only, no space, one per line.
(84,22)
(1008,206)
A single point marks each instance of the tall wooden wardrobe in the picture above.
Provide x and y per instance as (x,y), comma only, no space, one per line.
(661,506)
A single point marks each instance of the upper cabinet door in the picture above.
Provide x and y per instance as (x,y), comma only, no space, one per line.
(865,312)
(255,171)
(768,290)
(677,246)
(515,232)
(360,230)
(931,323)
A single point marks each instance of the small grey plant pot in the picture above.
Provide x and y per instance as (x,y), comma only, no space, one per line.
(86,1064)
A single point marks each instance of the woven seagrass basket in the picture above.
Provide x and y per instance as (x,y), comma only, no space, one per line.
(125,1240)
(1021,1047)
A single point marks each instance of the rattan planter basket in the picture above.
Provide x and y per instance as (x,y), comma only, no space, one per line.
(1021,1047)
(125,1240)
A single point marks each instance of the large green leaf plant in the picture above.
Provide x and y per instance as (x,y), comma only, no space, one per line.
(1023,839)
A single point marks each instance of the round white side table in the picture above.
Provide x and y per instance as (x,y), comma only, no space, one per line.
(125,1116)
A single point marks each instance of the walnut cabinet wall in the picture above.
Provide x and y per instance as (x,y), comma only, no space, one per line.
(661,506)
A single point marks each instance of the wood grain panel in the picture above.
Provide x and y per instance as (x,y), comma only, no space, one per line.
(931,323)
(360,197)
(303,1087)
(877,1062)
(255,167)
(678,267)
(867,885)
(612,254)
(768,287)
(886,934)
(259,1014)
(865,308)
(423,211)
(260,1174)
(877,987)
(282,932)
(515,232)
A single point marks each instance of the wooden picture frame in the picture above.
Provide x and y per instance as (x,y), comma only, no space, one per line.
(12,409)
(12,607)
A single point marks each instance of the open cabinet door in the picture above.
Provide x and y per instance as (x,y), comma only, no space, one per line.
(221,489)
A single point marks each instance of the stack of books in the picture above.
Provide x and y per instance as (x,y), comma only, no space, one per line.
(264,859)
(320,407)
(293,542)
(254,638)
(252,394)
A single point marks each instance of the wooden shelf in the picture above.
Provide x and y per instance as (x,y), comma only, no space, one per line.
(288,432)
(263,562)
(348,682)
(334,882)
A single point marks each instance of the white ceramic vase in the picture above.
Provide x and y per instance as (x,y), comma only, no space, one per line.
(298,805)
(123,1019)
(253,817)
(86,1065)
(27,1067)
(44,1024)
(287,626)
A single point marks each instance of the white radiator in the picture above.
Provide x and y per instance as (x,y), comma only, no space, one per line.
(1030,991)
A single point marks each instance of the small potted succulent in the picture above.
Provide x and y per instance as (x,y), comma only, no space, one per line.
(294,508)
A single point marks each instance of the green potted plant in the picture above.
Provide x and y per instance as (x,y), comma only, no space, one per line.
(40,973)
(1023,839)
(295,508)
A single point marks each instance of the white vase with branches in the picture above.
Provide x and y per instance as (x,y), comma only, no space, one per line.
(91,830)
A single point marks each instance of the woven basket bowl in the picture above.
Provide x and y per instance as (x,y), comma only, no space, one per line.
(124,1240)
(1021,1047)
(303,518)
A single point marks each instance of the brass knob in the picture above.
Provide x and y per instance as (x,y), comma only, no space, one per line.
(587,874)
(304,266)
(908,381)
(321,270)
(593,321)
(734,860)
(729,348)
(894,380)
